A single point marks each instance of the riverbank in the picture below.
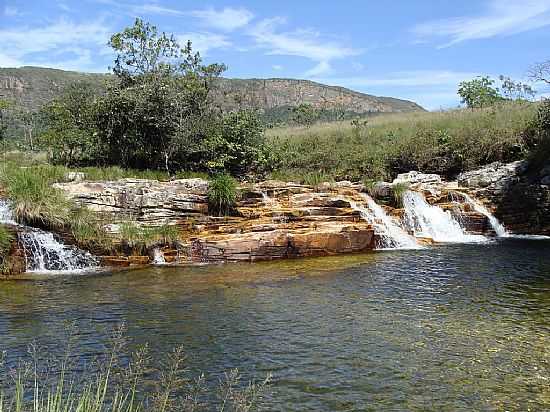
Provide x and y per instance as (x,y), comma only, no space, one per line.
(139,221)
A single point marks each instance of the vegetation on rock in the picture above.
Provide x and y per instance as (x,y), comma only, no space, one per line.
(222,195)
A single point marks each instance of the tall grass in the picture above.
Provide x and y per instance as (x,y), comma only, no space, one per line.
(33,198)
(116,382)
(222,194)
(141,238)
(445,143)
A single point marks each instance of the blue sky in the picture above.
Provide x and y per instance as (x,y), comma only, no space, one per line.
(417,50)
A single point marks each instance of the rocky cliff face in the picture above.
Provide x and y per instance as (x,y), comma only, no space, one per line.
(519,197)
(269,94)
(33,86)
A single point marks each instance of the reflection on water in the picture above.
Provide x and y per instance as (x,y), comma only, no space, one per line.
(462,327)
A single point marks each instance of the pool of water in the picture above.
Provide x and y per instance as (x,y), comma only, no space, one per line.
(446,328)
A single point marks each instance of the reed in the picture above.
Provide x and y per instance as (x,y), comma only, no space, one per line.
(116,382)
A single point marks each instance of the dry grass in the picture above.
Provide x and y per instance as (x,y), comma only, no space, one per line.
(442,142)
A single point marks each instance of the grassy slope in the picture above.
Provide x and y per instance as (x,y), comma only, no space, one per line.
(445,143)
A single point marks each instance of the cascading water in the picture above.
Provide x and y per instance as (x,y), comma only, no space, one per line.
(499,229)
(43,252)
(430,221)
(391,235)
(269,201)
(158,257)
(6,216)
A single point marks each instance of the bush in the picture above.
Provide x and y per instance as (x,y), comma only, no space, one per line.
(237,146)
(222,195)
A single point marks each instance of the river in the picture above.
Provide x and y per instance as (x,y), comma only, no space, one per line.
(445,328)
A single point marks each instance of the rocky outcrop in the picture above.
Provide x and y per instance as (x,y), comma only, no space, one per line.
(147,202)
(518,195)
(272,220)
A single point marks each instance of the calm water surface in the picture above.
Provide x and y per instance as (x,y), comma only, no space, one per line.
(461,327)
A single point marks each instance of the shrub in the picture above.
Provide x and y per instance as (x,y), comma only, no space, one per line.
(222,195)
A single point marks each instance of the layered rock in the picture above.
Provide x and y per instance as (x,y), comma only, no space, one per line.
(518,196)
(273,220)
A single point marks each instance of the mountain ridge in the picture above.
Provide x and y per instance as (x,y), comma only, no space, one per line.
(31,87)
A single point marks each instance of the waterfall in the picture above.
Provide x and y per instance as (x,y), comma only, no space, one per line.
(430,221)
(392,236)
(498,227)
(43,252)
(6,216)
(269,201)
(158,257)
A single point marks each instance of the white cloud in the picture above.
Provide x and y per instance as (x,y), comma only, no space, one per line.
(10,11)
(302,43)
(8,61)
(414,78)
(503,17)
(227,19)
(152,8)
(203,42)
(25,44)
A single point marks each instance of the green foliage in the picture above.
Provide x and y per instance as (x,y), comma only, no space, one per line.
(445,143)
(315,178)
(69,135)
(304,114)
(4,107)
(539,138)
(34,200)
(222,195)
(479,92)
(238,147)
(161,109)
(515,90)
(398,191)
(6,239)
(116,172)
(141,238)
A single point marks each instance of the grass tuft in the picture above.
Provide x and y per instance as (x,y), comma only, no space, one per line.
(222,195)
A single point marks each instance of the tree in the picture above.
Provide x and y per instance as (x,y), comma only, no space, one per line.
(158,113)
(515,90)
(304,114)
(238,145)
(69,132)
(540,72)
(479,92)
(4,108)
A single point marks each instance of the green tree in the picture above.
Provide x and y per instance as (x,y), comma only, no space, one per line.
(159,112)
(238,144)
(515,90)
(304,114)
(69,135)
(5,106)
(479,92)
